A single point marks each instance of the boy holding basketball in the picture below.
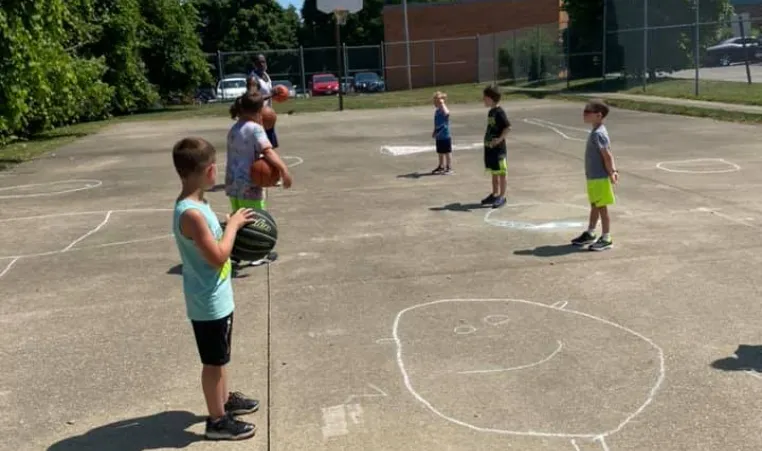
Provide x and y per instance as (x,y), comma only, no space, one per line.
(441,134)
(246,143)
(495,149)
(205,253)
(601,175)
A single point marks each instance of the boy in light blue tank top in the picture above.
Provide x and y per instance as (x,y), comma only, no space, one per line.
(205,253)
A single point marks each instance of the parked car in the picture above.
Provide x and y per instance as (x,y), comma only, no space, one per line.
(290,86)
(324,84)
(231,88)
(347,85)
(732,51)
(369,82)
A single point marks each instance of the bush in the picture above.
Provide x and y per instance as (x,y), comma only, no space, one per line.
(532,57)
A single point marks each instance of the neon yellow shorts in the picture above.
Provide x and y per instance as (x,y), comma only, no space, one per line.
(600,192)
(236,203)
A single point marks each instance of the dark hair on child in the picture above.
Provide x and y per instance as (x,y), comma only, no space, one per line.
(190,155)
(597,106)
(251,103)
(235,108)
(493,92)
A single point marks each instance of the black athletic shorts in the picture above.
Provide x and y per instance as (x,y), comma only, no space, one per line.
(213,339)
(444,145)
(272,137)
(494,159)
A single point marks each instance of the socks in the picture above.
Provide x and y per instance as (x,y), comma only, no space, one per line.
(591,231)
(606,236)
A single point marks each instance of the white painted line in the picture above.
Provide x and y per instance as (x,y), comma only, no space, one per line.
(753,374)
(383,341)
(464,330)
(83,213)
(98,227)
(397,151)
(602,440)
(334,421)
(726,217)
(595,436)
(496,320)
(555,128)
(354,411)
(516,368)
(9,266)
(574,444)
(560,304)
(539,226)
(89,184)
(730,166)
(378,393)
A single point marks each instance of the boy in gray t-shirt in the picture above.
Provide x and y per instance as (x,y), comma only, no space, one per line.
(601,175)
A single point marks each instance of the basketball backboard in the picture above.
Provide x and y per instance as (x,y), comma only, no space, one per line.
(329,6)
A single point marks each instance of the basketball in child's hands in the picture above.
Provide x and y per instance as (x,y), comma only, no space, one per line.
(280,93)
(257,238)
(268,118)
(264,174)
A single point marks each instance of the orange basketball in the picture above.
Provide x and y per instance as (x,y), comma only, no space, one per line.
(268,118)
(280,93)
(264,174)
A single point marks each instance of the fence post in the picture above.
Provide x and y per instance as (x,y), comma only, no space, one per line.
(540,74)
(478,59)
(645,45)
(604,61)
(433,62)
(347,69)
(220,70)
(745,48)
(494,59)
(696,50)
(514,60)
(383,62)
(302,70)
(568,55)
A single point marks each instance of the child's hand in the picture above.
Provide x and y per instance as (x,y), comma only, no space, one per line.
(495,142)
(614,178)
(286,177)
(240,218)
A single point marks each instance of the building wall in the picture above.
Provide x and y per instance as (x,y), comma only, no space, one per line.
(445,48)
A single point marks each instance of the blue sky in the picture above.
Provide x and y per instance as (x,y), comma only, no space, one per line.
(297,3)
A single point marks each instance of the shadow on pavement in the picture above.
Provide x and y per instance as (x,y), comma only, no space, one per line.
(159,431)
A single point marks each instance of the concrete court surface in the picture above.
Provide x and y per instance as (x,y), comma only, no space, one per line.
(403,316)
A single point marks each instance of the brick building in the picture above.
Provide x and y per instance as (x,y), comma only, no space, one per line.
(453,42)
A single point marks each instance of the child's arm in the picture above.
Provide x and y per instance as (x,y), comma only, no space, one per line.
(194,227)
(444,109)
(502,119)
(608,158)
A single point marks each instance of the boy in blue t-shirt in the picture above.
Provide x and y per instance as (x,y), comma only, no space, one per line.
(205,253)
(441,134)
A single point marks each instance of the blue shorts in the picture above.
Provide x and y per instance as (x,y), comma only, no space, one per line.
(272,137)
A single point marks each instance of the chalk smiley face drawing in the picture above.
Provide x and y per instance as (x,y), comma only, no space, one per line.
(525,368)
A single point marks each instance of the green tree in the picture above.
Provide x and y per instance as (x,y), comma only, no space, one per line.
(42,83)
(172,53)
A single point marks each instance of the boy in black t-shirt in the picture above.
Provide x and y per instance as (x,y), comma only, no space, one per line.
(495,150)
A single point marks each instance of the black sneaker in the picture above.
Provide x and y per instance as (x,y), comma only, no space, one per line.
(438,170)
(448,171)
(584,239)
(602,244)
(489,199)
(499,202)
(239,404)
(228,428)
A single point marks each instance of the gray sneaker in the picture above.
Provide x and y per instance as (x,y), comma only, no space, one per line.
(602,244)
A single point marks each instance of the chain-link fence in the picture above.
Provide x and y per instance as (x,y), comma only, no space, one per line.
(631,42)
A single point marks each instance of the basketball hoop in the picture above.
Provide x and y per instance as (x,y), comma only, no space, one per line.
(341,16)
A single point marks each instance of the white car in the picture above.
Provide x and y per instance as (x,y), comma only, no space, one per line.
(231,88)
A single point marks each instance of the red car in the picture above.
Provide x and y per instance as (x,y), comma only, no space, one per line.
(324,84)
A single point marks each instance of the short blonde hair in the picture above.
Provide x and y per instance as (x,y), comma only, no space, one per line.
(440,95)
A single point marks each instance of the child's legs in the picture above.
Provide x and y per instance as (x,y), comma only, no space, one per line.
(213,339)
(448,160)
(499,178)
(495,184)
(605,221)
(600,192)
(441,158)
(594,215)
